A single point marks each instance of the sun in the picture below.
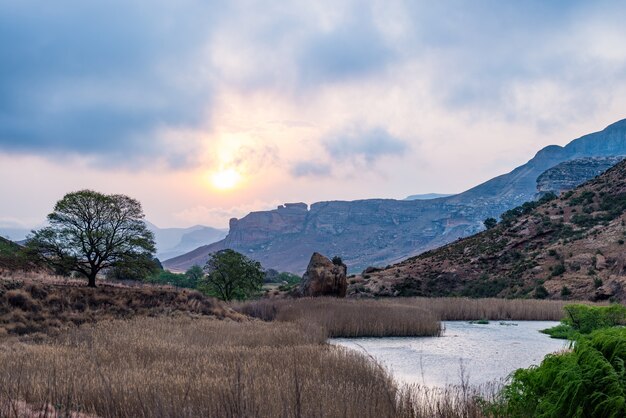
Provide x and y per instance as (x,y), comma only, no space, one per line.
(225,179)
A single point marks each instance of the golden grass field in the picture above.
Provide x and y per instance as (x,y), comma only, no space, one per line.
(146,351)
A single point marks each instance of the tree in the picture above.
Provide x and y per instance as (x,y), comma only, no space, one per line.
(90,232)
(231,275)
(137,267)
(490,223)
(194,275)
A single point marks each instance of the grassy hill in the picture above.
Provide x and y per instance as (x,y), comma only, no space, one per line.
(11,256)
(564,247)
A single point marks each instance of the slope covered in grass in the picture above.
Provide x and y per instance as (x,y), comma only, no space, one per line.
(567,247)
(44,304)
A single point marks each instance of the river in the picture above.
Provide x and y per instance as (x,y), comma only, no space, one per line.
(480,353)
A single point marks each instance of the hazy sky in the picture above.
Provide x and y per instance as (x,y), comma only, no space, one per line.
(207,110)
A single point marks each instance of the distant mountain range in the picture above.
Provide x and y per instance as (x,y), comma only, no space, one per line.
(571,247)
(172,242)
(382,231)
(14,232)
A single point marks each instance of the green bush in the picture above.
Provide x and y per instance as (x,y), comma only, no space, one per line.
(588,381)
(584,319)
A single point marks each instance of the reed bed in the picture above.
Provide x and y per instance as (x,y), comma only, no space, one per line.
(397,317)
(348,317)
(183,367)
(465,309)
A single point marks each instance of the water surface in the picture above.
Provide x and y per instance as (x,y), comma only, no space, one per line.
(485,353)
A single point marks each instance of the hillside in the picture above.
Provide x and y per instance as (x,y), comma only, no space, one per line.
(32,303)
(566,247)
(11,256)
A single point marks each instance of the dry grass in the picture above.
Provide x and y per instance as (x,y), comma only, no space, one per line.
(397,317)
(465,309)
(45,304)
(348,317)
(183,367)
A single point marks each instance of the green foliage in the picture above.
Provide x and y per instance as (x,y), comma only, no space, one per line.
(13,256)
(565,292)
(90,232)
(484,287)
(273,276)
(541,292)
(134,267)
(231,275)
(558,270)
(490,223)
(337,260)
(586,382)
(511,215)
(584,319)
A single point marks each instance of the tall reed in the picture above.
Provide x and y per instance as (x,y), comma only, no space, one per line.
(348,317)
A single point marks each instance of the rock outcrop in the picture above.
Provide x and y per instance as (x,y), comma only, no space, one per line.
(378,232)
(570,174)
(324,278)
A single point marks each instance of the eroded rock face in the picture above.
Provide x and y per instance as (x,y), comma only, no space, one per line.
(570,174)
(323,278)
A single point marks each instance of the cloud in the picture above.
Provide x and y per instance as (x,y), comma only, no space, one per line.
(368,145)
(310,169)
(353,48)
(102,79)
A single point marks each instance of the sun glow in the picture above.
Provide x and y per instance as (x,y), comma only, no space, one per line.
(225,179)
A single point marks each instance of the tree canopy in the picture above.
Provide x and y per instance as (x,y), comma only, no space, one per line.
(231,275)
(90,232)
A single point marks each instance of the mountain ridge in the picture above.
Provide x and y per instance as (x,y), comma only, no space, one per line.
(382,231)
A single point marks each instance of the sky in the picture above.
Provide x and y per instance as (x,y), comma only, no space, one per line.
(207,110)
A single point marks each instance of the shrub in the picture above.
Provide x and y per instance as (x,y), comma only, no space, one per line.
(586,382)
(558,270)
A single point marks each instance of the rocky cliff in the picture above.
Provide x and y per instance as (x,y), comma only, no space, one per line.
(382,231)
(567,247)
(568,175)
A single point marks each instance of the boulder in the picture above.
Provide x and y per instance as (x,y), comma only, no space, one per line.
(323,278)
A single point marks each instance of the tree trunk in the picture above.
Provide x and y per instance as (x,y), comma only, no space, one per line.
(92,280)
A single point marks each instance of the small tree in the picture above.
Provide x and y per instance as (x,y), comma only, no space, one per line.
(490,223)
(194,276)
(337,260)
(90,232)
(231,275)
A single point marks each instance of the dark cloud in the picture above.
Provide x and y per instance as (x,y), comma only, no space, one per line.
(311,169)
(101,78)
(353,48)
(368,145)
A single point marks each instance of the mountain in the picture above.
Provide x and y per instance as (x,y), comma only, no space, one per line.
(572,246)
(426,196)
(172,242)
(383,231)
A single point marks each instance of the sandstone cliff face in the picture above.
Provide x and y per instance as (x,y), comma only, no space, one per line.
(383,231)
(570,174)
(324,278)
